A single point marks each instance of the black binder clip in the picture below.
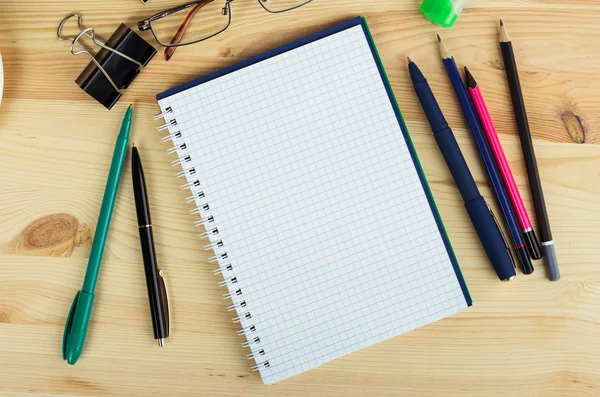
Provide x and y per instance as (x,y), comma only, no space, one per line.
(114,67)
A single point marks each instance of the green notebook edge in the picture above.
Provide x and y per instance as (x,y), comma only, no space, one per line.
(419,167)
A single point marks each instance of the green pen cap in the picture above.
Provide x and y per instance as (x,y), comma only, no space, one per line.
(76,326)
(442,12)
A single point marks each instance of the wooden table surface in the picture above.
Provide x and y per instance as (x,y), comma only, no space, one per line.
(528,337)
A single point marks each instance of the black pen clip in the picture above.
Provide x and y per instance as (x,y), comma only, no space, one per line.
(165,302)
(504,239)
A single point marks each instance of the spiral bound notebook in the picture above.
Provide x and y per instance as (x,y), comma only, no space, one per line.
(313,200)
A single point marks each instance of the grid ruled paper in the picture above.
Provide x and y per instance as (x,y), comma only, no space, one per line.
(331,239)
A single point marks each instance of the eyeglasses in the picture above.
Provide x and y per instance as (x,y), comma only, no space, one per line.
(200,20)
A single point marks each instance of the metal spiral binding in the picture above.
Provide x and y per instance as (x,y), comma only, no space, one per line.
(236,306)
(212,233)
(252,341)
(193,197)
(174,148)
(246,330)
(162,115)
(212,246)
(264,364)
(166,125)
(208,233)
(219,270)
(189,185)
(250,356)
(228,282)
(171,137)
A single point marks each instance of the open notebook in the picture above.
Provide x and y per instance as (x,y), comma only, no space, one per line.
(313,200)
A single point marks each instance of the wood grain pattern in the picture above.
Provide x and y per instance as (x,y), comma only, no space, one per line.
(529,337)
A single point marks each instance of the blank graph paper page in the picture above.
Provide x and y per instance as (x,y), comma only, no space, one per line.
(319,220)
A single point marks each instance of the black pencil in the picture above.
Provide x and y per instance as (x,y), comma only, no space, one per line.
(512,75)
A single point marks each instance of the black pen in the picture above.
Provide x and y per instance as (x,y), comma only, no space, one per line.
(157,291)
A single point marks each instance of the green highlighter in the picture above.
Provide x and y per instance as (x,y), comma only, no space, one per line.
(81,308)
(442,12)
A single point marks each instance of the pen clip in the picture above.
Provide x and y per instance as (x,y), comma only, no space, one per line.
(504,239)
(165,302)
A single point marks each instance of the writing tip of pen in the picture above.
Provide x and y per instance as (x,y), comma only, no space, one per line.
(409,60)
(439,38)
(161,342)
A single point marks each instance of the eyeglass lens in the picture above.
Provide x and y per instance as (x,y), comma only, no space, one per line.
(193,24)
(207,19)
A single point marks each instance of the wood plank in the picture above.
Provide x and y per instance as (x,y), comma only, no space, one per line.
(524,338)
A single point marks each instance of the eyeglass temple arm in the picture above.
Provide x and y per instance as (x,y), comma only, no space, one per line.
(169,51)
(145,24)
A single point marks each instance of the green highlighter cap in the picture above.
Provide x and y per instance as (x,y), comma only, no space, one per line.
(442,12)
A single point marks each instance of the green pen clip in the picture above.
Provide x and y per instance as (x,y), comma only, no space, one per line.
(76,326)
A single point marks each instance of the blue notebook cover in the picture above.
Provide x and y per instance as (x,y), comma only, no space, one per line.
(314,37)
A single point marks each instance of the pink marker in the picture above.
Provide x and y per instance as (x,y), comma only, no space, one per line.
(507,177)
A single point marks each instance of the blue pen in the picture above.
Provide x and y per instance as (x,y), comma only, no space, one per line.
(481,216)
(486,155)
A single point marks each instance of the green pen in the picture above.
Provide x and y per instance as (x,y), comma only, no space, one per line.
(81,308)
